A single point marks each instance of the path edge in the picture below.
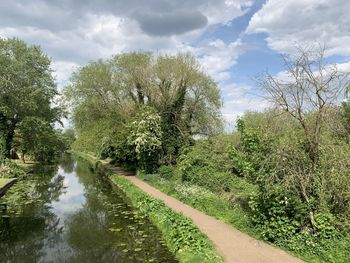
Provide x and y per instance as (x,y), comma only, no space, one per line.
(184,254)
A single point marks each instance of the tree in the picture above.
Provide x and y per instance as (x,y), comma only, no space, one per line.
(187,100)
(39,139)
(306,90)
(27,87)
(308,85)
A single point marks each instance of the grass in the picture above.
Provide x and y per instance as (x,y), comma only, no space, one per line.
(183,238)
(228,207)
(224,207)
(28,165)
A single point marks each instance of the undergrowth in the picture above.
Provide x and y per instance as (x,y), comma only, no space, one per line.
(229,207)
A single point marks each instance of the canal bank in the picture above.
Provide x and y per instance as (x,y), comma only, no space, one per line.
(233,245)
(68,213)
(183,238)
(5,184)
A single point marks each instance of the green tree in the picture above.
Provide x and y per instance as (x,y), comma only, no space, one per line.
(27,87)
(39,139)
(187,100)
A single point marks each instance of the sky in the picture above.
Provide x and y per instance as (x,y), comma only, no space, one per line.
(234,40)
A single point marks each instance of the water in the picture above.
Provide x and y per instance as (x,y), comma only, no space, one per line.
(70,214)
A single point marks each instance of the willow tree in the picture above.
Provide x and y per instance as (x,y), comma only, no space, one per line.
(187,99)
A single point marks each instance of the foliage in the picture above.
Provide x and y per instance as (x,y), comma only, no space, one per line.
(9,169)
(38,138)
(145,136)
(27,88)
(166,172)
(248,157)
(207,164)
(114,93)
(298,206)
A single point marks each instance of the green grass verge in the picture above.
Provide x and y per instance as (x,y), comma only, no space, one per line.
(228,208)
(225,207)
(183,238)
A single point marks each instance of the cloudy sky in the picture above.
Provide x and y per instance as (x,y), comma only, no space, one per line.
(233,39)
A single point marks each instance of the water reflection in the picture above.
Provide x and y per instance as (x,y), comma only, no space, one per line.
(69,214)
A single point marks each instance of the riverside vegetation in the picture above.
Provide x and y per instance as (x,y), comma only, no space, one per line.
(282,175)
(183,238)
(27,113)
(27,131)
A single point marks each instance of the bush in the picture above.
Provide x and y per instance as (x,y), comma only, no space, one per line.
(9,169)
(278,213)
(207,164)
(166,172)
(145,137)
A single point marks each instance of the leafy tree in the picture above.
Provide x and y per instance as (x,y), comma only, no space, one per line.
(39,139)
(27,87)
(116,90)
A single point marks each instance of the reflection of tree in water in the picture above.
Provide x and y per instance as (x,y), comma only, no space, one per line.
(67,163)
(88,229)
(36,234)
(31,225)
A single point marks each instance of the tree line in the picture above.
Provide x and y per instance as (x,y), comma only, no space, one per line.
(286,168)
(27,98)
(141,108)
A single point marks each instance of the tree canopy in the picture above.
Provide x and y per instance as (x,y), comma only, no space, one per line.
(27,90)
(114,91)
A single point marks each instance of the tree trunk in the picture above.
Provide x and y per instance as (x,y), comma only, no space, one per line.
(7,131)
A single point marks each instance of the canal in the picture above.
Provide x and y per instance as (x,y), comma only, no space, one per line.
(68,213)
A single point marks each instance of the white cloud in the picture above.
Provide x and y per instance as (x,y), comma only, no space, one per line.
(222,12)
(217,57)
(62,71)
(239,99)
(73,33)
(305,22)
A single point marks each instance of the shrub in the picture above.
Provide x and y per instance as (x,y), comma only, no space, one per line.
(145,136)
(207,164)
(9,169)
(166,172)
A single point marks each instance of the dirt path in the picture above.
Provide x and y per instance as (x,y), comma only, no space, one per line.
(233,245)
